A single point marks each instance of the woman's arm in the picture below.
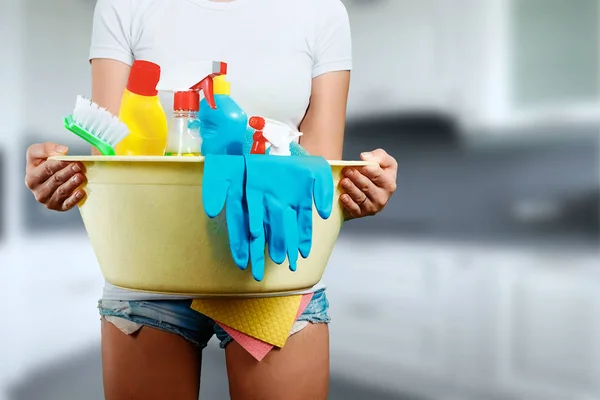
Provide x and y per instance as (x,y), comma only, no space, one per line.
(367,189)
(325,120)
(109,78)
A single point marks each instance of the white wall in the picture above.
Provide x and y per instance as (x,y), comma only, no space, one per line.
(10,122)
(11,99)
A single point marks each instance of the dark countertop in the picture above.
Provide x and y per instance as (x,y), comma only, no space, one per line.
(449,190)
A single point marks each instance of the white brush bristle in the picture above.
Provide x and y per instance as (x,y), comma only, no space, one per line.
(99,122)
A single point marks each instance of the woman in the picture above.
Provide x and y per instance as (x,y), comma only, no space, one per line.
(289,60)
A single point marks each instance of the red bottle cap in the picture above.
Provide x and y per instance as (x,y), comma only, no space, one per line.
(257,123)
(143,78)
(187,101)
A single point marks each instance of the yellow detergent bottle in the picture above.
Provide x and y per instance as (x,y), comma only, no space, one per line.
(143,113)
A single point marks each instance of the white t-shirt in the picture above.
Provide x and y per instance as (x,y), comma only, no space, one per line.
(273,49)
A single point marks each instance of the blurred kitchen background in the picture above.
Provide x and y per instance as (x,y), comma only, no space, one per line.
(481,279)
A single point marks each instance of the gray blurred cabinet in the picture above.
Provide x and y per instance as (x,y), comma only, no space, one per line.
(396,56)
(549,327)
(555,47)
(493,63)
(520,62)
(453,322)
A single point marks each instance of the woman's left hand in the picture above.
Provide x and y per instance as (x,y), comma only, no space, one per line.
(368,189)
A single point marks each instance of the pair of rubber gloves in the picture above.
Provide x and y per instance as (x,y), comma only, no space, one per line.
(268,200)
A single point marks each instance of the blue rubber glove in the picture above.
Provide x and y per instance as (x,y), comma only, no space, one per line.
(223,185)
(279,194)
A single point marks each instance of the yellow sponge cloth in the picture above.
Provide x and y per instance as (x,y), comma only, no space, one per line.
(269,319)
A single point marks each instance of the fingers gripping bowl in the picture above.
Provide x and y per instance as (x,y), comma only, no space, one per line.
(147,226)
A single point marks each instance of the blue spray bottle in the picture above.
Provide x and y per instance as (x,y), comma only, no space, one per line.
(222,127)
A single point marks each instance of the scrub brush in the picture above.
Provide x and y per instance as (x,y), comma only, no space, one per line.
(96,125)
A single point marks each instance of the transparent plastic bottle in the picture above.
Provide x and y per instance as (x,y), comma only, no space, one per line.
(184,137)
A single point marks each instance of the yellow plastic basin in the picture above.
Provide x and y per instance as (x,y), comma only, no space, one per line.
(147,225)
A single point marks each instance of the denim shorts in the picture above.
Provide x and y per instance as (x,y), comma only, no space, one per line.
(176,316)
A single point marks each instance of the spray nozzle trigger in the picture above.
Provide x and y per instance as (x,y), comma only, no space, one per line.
(206,85)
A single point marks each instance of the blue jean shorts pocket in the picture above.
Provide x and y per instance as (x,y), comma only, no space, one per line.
(173,316)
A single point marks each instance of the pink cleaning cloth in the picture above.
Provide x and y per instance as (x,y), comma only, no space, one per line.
(257,348)
(303,304)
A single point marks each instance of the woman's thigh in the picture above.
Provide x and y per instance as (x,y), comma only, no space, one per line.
(152,349)
(149,364)
(298,371)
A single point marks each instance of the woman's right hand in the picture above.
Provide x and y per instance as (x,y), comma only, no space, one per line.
(55,184)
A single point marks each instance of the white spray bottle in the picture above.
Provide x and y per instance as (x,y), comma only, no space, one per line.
(279,135)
